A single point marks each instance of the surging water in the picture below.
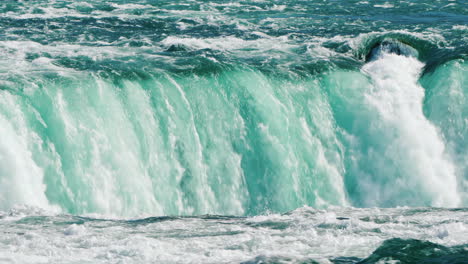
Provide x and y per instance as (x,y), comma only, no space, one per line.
(306,235)
(405,149)
(236,142)
(248,109)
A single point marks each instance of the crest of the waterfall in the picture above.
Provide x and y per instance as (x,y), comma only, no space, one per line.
(391,46)
(409,161)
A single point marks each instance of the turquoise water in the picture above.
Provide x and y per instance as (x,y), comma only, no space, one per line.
(135,109)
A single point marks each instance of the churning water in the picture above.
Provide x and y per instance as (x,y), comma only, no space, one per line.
(233,131)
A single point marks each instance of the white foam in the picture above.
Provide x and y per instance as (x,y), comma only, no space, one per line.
(131,6)
(230,43)
(74,229)
(306,234)
(414,144)
(385,5)
(21,178)
(460,27)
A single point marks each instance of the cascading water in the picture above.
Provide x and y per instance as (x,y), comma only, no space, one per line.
(245,131)
(401,148)
(235,142)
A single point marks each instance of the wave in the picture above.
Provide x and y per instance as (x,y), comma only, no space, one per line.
(305,235)
(241,108)
(237,140)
